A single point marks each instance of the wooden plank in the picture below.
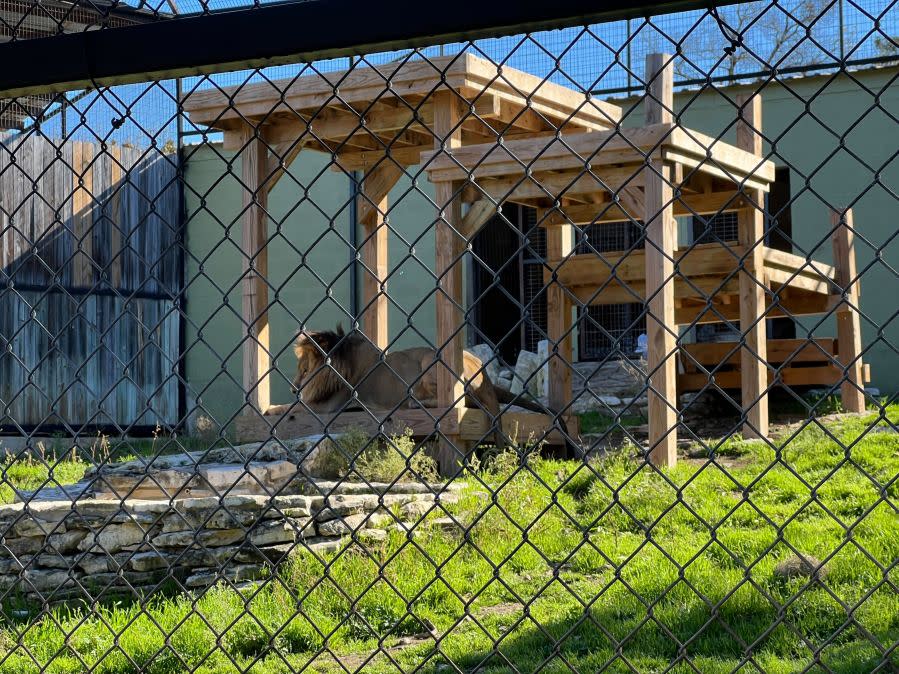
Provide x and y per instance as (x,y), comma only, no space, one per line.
(659,101)
(684,205)
(708,259)
(661,241)
(450,247)
(254,265)
(576,152)
(779,259)
(701,164)
(373,205)
(753,287)
(779,351)
(478,214)
(788,376)
(553,186)
(799,280)
(559,243)
(849,331)
(415,78)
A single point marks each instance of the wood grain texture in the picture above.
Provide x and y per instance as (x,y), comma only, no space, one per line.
(254,262)
(373,205)
(661,329)
(76,359)
(559,320)
(751,236)
(849,334)
(448,265)
(659,102)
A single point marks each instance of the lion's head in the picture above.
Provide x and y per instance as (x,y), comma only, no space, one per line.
(315,379)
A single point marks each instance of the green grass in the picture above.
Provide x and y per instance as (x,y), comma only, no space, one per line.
(597,422)
(605,541)
(55,462)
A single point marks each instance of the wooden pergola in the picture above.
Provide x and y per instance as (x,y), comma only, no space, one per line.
(651,174)
(379,121)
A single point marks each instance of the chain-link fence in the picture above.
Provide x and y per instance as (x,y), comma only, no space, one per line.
(549,344)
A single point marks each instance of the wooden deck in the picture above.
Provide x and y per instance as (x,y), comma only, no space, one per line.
(467,424)
(791,362)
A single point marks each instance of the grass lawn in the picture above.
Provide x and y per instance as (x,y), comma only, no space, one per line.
(611,566)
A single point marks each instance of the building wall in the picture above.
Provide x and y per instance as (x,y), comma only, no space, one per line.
(309,269)
(807,137)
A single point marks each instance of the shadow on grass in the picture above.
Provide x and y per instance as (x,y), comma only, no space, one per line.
(605,639)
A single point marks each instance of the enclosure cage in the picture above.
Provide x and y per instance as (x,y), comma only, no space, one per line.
(545,337)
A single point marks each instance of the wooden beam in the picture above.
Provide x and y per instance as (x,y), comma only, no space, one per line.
(376,187)
(254,263)
(450,246)
(479,213)
(849,333)
(377,183)
(661,241)
(685,205)
(559,244)
(571,184)
(279,161)
(659,101)
(751,236)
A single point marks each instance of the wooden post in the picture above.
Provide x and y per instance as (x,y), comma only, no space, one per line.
(450,246)
(559,241)
(661,241)
(254,263)
(375,255)
(849,333)
(751,236)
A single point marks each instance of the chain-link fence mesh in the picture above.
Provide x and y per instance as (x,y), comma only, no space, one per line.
(567,351)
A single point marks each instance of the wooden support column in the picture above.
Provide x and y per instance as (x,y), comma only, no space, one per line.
(849,333)
(254,264)
(751,235)
(376,187)
(559,242)
(448,264)
(661,241)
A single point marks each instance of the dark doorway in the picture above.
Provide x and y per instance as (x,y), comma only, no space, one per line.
(508,302)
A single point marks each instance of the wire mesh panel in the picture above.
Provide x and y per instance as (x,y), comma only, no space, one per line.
(569,347)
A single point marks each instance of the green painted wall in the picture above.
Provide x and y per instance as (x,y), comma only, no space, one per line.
(804,118)
(309,260)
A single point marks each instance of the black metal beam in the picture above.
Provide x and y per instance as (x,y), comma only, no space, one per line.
(279,33)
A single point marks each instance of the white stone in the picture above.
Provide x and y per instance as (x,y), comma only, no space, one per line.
(341,526)
(415,510)
(372,536)
(113,537)
(488,358)
(527,364)
(148,561)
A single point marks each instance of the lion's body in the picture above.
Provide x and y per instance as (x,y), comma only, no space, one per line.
(338,372)
(406,378)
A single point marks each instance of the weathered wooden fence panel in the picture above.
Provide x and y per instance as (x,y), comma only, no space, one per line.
(89,242)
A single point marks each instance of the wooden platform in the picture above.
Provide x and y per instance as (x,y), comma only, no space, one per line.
(468,424)
(798,362)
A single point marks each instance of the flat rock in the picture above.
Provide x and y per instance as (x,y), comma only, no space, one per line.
(342,526)
(113,537)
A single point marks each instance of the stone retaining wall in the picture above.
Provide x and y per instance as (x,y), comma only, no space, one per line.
(101,548)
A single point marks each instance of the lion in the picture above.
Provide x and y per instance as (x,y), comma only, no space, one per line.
(357,374)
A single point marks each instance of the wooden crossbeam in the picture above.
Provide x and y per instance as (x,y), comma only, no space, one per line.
(685,205)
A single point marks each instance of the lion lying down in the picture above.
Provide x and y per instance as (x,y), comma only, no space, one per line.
(356,365)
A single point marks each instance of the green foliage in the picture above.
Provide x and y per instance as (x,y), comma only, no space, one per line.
(354,454)
(558,565)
